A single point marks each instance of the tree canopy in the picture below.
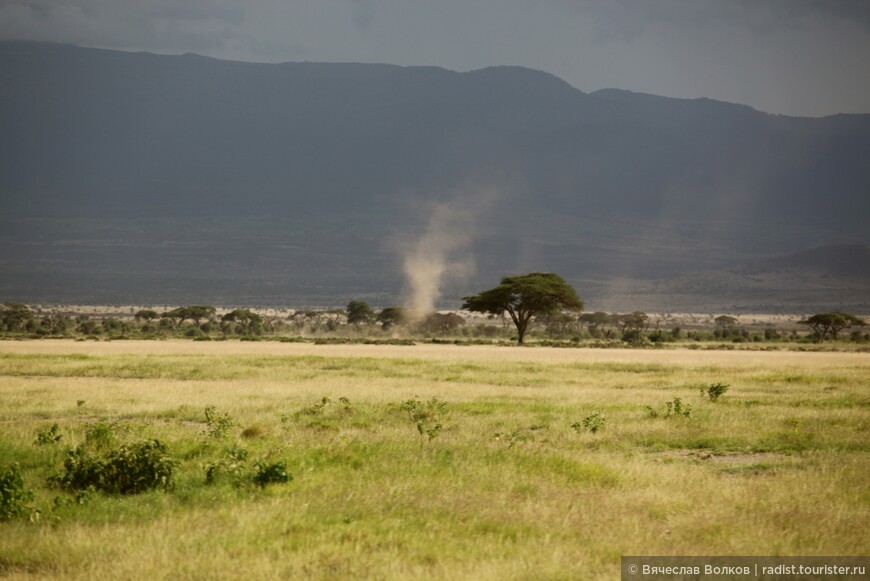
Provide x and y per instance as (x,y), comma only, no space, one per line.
(147,315)
(829,324)
(245,318)
(14,316)
(632,325)
(359,313)
(726,321)
(440,323)
(392,317)
(524,297)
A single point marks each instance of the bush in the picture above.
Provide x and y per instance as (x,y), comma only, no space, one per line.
(592,423)
(275,472)
(232,466)
(101,435)
(49,436)
(81,471)
(714,391)
(426,415)
(14,495)
(677,408)
(218,426)
(128,469)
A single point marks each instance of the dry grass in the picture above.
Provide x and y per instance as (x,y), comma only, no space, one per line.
(437,352)
(780,465)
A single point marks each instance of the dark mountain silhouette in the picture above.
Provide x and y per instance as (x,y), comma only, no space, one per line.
(140,177)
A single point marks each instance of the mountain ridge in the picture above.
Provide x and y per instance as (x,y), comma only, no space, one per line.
(597,186)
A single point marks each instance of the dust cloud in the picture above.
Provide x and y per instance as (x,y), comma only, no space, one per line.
(443,250)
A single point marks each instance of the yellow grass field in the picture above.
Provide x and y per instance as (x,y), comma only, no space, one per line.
(498,479)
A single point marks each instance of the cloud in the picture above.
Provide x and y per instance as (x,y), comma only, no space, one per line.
(363,14)
(151,25)
(627,20)
(785,56)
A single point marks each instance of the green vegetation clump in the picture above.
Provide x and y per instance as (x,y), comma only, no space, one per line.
(525,297)
(714,391)
(591,423)
(14,495)
(544,310)
(101,435)
(49,436)
(232,465)
(270,473)
(426,415)
(379,490)
(129,469)
(218,425)
(676,408)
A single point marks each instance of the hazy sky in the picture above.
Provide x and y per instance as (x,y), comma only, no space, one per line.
(797,57)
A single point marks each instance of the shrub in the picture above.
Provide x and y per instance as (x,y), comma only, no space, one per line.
(677,408)
(14,495)
(317,408)
(49,436)
(218,426)
(101,435)
(672,409)
(137,467)
(591,423)
(275,472)
(233,465)
(81,471)
(128,469)
(714,391)
(425,415)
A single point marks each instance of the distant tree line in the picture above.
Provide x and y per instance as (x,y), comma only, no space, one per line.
(537,305)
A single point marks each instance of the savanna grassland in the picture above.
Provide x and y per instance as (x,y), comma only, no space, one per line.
(431,461)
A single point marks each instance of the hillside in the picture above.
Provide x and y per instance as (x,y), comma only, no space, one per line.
(128,177)
(835,277)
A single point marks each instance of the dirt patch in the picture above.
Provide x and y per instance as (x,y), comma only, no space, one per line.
(728,459)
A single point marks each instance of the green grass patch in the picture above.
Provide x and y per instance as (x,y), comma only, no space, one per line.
(396,467)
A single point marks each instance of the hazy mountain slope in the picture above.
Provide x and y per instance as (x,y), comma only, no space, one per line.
(330,164)
(835,277)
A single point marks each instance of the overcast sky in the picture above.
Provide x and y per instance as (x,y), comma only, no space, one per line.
(796,57)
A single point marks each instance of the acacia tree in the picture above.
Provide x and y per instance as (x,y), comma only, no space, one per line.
(334,318)
(297,319)
(359,313)
(525,297)
(559,323)
(392,317)
(196,313)
(175,316)
(54,323)
(441,323)
(726,321)
(15,316)
(596,322)
(244,318)
(829,324)
(146,315)
(632,325)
